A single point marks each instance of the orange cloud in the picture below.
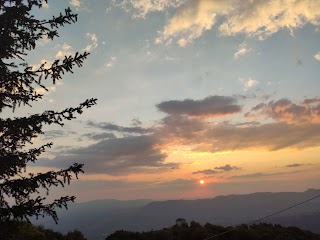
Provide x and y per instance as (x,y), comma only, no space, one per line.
(285,110)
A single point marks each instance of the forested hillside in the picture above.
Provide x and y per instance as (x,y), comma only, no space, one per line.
(19,230)
(195,231)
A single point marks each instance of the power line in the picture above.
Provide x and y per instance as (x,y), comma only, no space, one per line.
(267,216)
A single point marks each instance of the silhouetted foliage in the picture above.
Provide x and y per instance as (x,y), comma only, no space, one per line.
(19,230)
(195,231)
(74,235)
(19,33)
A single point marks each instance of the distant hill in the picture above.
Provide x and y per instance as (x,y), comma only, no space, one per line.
(309,221)
(95,217)
(98,219)
(229,210)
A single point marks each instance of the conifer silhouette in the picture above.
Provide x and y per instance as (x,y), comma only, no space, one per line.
(20,196)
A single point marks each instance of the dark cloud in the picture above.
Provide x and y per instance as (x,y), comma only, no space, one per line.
(63,147)
(116,156)
(260,174)
(136,122)
(250,96)
(179,127)
(226,168)
(217,170)
(295,165)
(175,167)
(255,175)
(212,106)
(310,101)
(52,134)
(116,128)
(99,136)
(258,107)
(207,172)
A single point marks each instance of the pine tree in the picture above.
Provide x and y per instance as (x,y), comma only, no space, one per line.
(20,196)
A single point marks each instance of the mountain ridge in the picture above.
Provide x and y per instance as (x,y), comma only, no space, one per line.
(99,218)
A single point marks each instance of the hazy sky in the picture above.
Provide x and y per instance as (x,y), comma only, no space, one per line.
(222,90)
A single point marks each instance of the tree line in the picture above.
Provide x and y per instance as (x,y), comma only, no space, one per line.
(196,231)
(23,230)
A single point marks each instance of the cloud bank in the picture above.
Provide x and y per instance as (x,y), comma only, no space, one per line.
(195,124)
(257,18)
(115,156)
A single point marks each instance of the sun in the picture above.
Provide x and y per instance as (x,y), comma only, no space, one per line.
(201,182)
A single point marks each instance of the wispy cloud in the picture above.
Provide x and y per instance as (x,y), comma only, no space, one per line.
(75,3)
(194,17)
(94,42)
(249,83)
(44,4)
(116,128)
(44,91)
(317,56)
(295,165)
(65,50)
(261,174)
(242,50)
(112,61)
(99,136)
(191,20)
(53,134)
(141,8)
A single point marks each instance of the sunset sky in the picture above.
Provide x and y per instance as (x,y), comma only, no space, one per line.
(227,91)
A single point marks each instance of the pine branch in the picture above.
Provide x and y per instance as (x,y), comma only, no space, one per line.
(18,87)
(13,161)
(35,207)
(25,128)
(20,189)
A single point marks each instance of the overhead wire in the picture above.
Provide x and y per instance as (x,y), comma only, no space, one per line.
(262,218)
